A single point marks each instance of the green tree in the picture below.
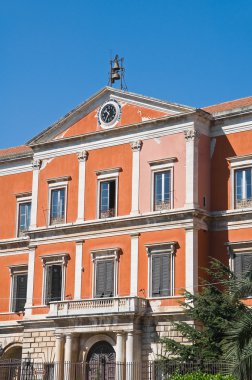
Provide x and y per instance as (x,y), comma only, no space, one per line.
(213,311)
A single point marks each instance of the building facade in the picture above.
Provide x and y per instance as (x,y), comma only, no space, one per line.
(109,213)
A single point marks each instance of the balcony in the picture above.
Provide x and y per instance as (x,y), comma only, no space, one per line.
(133,305)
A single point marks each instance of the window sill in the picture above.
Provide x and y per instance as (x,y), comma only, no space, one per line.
(163,298)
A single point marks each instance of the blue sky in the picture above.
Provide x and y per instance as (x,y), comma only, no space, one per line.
(55,54)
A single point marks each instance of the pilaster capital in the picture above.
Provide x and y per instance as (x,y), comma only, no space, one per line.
(36,164)
(191,134)
(83,155)
(136,146)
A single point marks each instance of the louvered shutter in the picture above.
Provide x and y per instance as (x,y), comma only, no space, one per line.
(238,265)
(246,264)
(109,278)
(165,286)
(56,283)
(156,272)
(21,289)
(100,278)
(48,296)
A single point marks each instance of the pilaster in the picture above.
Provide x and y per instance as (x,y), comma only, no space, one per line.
(192,138)
(36,164)
(78,269)
(30,281)
(82,157)
(134,265)
(136,147)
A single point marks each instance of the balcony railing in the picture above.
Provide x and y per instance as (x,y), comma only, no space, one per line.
(243,203)
(108,213)
(162,205)
(98,306)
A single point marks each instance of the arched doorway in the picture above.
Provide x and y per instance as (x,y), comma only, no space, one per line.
(12,352)
(101,362)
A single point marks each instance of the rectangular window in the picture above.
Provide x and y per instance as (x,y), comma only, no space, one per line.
(53,291)
(104,279)
(107,199)
(242,264)
(19,292)
(243,188)
(162,190)
(24,217)
(57,207)
(161,275)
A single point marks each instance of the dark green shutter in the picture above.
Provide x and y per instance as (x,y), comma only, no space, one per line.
(165,288)
(21,289)
(246,264)
(104,278)
(238,265)
(156,275)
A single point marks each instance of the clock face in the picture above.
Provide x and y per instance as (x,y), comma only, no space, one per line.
(109,114)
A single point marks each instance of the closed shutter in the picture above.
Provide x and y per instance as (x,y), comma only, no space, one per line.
(246,264)
(238,265)
(21,289)
(104,278)
(56,283)
(100,278)
(156,275)
(109,292)
(165,288)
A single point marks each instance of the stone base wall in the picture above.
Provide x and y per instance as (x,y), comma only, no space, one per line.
(39,344)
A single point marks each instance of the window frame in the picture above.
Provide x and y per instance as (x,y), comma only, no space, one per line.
(16,270)
(164,248)
(102,255)
(160,166)
(21,199)
(106,176)
(50,260)
(237,163)
(57,184)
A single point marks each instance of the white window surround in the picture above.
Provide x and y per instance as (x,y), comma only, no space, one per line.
(236,163)
(15,270)
(57,184)
(161,248)
(107,175)
(160,166)
(21,198)
(106,254)
(238,248)
(54,259)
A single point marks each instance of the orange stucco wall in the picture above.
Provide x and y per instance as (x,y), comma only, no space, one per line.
(11,185)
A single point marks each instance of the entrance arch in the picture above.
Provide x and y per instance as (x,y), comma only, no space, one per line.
(12,352)
(101,361)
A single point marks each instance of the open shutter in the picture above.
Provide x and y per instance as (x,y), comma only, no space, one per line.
(100,278)
(166,275)
(56,282)
(109,280)
(21,289)
(156,278)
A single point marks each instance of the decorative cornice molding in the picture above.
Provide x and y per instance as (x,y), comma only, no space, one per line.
(191,134)
(83,156)
(36,164)
(105,253)
(136,146)
(167,247)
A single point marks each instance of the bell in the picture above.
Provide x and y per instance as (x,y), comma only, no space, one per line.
(115,76)
(116,66)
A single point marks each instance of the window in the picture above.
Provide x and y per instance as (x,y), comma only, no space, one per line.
(107,199)
(243,188)
(107,192)
(162,183)
(161,269)
(18,287)
(57,207)
(105,272)
(54,277)
(24,217)
(162,192)
(242,264)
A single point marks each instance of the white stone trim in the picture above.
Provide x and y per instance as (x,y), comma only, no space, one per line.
(108,173)
(14,271)
(78,269)
(191,260)
(134,265)
(35,179)
(191,146)
(30,281)
(237,163)
(104,176)
(160,166)
(21,199)
(136,147)
(82,157)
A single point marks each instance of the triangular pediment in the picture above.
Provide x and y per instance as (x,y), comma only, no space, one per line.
(86,118)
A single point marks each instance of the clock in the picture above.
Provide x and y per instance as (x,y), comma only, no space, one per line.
(109,114)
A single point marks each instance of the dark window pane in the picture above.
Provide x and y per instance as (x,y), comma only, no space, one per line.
(19,293)
(54,283)
(107,199)
(24,217)
(162,190)
(57,206)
